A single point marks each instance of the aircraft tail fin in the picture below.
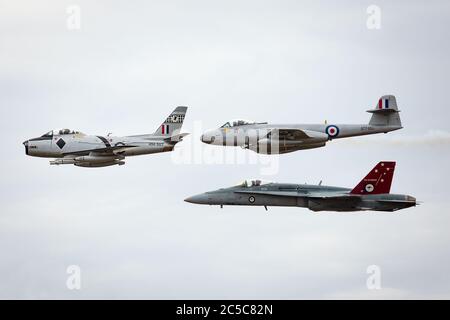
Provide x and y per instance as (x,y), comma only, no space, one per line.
(172,125)
(378,180)
(385,112)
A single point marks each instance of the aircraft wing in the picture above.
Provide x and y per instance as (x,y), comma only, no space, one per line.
(299,193)
(349,197)
(314,196)
(113,150)
(274,193)
(297,134)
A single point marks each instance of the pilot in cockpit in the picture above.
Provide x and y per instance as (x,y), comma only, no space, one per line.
(252,183)
(236,123)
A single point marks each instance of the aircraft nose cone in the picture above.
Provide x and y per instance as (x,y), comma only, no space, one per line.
(25,143)
(198,199)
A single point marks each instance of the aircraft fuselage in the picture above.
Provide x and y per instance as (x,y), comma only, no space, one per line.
(263,138)
(313,197)
(60,146)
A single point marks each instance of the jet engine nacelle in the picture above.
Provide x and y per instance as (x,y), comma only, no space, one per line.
(278,143)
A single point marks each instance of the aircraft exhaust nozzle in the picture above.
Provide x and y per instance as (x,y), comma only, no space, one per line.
(412,200)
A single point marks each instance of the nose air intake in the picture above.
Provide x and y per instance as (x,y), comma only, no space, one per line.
(207,139)
(25,143)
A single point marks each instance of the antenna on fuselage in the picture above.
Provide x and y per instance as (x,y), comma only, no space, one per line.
(320,183)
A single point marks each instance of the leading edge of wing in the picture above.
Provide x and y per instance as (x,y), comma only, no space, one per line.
(272,193)
(99,150)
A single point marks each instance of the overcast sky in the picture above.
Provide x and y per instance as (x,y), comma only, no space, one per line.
(128,228)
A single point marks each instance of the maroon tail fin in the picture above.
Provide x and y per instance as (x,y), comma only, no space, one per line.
(378,180)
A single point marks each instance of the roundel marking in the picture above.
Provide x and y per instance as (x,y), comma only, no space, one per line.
(251,199)
(332,131)
(369,187)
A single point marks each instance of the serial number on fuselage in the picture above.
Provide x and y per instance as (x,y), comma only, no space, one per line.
(156,144)
(366,128)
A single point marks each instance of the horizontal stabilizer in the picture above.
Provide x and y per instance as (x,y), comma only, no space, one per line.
(382,111)
(176,138)
(339,197)
(397,201)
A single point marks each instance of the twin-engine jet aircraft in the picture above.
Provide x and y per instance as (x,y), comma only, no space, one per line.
(82,150)
(372,193)
(283,138)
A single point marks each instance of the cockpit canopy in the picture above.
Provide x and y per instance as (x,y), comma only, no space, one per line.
(253,183)
(48,134)
(236,123)
(60,132)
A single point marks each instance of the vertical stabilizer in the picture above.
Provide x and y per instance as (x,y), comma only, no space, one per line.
(385,113)
(172,125)
(378,180)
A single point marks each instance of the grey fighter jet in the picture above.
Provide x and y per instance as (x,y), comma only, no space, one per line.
(372,193)
(283,138)
(82,150)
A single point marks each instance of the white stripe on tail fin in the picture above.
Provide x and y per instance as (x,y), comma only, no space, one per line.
(172,125)
(385,113)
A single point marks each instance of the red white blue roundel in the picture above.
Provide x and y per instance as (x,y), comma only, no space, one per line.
(332,131)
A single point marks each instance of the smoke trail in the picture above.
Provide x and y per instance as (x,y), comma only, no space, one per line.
(431,138)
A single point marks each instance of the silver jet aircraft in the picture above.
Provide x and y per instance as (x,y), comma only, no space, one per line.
(82,150)
(283,138)
(372,193)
